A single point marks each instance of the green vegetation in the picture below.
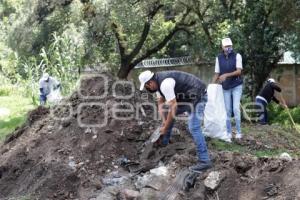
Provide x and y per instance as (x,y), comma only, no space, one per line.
(262,141)
(225,146)
(280,115)
(64,36)
(13,110)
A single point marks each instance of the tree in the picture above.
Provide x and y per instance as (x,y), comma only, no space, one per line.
(264,27)
(157,30)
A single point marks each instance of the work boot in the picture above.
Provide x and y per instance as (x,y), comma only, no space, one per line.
(201,166)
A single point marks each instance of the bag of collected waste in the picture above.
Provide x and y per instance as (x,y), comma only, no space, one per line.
(215,113)
(54,97)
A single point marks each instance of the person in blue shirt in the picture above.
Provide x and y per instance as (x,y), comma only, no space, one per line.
(228,71)
(47,85)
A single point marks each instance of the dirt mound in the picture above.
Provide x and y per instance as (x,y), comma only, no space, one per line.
(64,152)
(92,146)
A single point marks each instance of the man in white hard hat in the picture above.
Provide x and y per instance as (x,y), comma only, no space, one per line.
(265,96)
(47,84)
(228,72)
(181,92)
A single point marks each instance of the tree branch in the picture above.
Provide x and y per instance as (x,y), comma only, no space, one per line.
(145,32)
(204,25)
(122,44)
(157,47)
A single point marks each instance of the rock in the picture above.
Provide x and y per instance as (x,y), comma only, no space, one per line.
(226,157)
(88,130)
(128,194)
(97,184)
(148,194)
(142,181)
(213,180)
(242,167)
(160,171)
(275,165)
(114,179)
(66,123)
(72,164)
(271,190)
(286,157)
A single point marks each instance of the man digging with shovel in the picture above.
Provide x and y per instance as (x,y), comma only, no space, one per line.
(264,98)
(182,92)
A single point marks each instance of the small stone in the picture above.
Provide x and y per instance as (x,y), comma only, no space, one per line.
(95,137)
(88,130)
(72,164)
(286,157)
(213,180)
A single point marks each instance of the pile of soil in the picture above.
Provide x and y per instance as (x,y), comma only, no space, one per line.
(64,153)
(53,157)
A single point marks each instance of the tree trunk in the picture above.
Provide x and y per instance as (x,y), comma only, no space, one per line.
(123,71)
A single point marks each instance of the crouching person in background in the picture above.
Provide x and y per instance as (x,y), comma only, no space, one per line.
(47,85)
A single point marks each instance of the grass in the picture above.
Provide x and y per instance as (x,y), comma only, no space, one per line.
(225,146)
(285,140)
(17,106)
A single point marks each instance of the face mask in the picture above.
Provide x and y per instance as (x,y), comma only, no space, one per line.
(228,50)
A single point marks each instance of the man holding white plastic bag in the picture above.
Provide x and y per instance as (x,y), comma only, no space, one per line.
(228,70)
(49,89)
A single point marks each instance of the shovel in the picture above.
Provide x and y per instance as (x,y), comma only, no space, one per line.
(154,137)
(291,118)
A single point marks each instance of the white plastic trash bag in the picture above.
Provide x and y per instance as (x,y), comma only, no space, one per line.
(215,113)
(54,97)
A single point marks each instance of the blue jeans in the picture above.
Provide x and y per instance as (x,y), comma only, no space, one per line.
(232,99)
(263,115)
(43,99)
(195,119)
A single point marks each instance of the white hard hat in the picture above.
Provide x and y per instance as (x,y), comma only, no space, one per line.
(45,76)
(226,42)
(271,80)
(144,77)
